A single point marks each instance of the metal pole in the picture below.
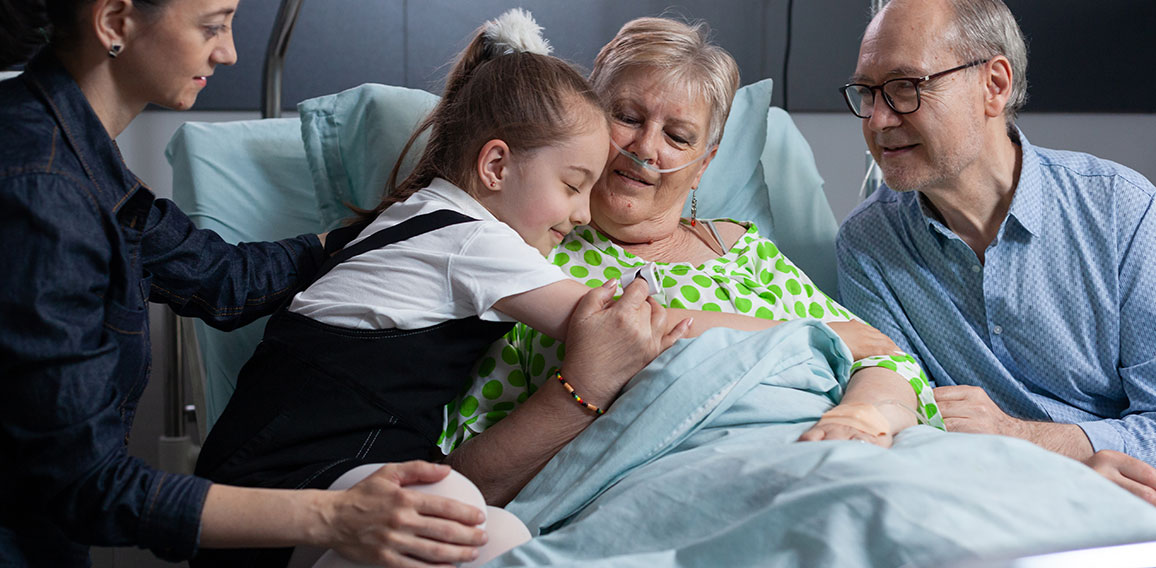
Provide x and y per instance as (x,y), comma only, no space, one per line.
(176,451)
(174,385)
(275,57)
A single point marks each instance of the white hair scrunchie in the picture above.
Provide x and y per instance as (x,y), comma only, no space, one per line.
(516,31)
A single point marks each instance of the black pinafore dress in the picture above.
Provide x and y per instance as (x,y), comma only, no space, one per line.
(316,400)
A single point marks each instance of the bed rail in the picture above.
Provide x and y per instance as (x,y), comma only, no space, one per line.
(275,57)
(177,450)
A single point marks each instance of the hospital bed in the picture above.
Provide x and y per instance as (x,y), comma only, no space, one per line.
(278,177)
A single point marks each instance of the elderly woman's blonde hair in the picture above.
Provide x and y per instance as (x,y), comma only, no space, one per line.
(683,51)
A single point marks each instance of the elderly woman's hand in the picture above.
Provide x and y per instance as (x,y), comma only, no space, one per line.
(863,340)
(609,341)
(852,421)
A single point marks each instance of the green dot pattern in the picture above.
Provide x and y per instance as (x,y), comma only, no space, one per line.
(753,278)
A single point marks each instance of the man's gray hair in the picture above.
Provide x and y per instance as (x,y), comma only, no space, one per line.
(984,29)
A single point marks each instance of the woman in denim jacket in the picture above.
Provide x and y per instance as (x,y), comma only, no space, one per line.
(87,245)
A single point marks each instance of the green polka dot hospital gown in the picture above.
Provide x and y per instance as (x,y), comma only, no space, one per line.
(752,278)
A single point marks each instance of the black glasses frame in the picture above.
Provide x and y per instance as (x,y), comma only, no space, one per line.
(915,81)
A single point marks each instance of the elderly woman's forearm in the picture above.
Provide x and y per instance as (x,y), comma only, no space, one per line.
(707,320)
(886,390)
(504,458)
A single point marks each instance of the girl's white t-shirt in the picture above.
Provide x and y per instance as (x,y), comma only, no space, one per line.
(450,273)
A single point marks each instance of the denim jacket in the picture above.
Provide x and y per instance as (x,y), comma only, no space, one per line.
(85,246)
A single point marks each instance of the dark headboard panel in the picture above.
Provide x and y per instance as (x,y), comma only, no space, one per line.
(1084,56)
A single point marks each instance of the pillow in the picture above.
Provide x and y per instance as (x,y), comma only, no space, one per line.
(352,140)
(765,172)
(248,181)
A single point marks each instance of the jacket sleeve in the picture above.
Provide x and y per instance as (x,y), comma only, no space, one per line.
(200,275)
(62,434)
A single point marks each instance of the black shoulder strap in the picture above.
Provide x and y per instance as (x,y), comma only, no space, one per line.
(407,229)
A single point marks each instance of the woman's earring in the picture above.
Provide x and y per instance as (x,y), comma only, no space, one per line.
(693,206)
(114,50)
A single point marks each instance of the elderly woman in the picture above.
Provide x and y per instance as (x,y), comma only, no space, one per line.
(669,92)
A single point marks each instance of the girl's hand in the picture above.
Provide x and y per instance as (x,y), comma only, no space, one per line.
(863,340)
(380,522)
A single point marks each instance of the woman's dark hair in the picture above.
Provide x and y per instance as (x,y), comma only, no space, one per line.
(527,100)
(28,25)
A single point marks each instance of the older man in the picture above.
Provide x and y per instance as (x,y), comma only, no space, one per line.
(1024,279)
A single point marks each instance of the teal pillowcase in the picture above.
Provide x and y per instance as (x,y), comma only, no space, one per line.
(352,140)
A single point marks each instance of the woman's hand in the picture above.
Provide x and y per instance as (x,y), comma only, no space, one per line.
(609,341)
(378,521)
(863,340)
(852,421)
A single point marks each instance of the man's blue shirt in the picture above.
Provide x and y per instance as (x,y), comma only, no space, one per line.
(1059,321)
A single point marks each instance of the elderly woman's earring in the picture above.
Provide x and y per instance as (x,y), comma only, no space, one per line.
(114,50)
(693,206)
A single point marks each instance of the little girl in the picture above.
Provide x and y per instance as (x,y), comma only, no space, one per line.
(356,370)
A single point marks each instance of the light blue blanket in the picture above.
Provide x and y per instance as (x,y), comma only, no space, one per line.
(696,465)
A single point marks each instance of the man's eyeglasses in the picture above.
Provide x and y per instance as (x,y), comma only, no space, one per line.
(901,94)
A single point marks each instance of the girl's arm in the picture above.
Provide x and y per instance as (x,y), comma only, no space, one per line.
(609,341)
(547,309)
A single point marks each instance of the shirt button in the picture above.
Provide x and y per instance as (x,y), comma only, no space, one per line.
(975,268)
(997,329)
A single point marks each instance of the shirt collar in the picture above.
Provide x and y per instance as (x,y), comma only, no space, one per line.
(1026,204)
(97,153)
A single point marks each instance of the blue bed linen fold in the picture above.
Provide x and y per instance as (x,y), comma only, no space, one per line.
(696,465)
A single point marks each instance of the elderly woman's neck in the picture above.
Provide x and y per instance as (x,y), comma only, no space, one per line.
(657,243)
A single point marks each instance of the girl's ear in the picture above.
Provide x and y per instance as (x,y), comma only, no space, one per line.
(493,164)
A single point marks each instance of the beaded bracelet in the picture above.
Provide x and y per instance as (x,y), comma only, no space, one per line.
(597,411)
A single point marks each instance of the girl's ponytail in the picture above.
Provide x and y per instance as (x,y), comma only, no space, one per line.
(504,85)
(512,32)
